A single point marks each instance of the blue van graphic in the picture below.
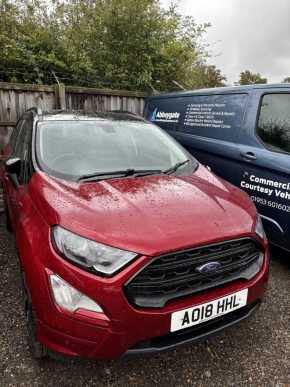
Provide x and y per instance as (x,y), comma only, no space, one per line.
(243,134)
(153,115)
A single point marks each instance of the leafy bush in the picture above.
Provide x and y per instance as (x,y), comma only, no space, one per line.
(128,44)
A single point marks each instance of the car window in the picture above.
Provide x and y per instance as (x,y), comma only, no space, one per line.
(14,135)
(76,148)
(18,148)
(274,122)
(22,149)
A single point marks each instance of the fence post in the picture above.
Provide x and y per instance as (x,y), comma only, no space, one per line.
(60,96)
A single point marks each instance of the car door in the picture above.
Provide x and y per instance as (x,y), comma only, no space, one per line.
(264,167)
(8,152)
(14,194)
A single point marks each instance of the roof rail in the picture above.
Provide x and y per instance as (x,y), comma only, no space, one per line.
(124,112)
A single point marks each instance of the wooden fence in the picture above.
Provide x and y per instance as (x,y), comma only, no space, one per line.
(16,98)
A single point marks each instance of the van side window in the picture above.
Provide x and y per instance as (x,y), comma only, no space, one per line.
(217,116)
(274,122)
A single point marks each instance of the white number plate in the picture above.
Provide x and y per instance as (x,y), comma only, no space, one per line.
(204,312)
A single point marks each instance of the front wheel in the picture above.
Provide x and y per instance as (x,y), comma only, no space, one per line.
(8,221)
(37,349)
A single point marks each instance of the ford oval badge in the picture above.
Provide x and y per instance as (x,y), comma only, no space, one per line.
(209,267)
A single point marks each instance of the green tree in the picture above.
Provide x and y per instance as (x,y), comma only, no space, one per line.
(286,80)
(30,42)
(103,43)
(249,78)
(207,76)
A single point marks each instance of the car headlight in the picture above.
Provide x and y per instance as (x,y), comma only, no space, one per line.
(89,254)
(260,228)
(69,298)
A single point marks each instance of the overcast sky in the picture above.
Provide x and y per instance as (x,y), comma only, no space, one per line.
(245,34)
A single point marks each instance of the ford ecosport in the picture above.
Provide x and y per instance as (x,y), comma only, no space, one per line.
(127,245)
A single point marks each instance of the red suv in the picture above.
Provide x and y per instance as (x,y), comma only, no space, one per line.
(126,243)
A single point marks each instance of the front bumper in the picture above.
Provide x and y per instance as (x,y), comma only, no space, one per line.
(129,330)
(191,335)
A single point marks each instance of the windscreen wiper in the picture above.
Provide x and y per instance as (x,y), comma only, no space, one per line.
(122,173)
(175,167)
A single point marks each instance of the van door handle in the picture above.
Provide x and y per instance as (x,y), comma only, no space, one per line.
(249,156)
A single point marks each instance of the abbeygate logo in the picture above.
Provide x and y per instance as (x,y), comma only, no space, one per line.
(160,116)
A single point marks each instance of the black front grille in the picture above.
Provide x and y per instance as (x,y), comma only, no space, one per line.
(175,275)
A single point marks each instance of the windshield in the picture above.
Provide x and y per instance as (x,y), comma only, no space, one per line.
(71,149)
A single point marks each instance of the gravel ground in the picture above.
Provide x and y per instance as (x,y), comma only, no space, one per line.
(255,353)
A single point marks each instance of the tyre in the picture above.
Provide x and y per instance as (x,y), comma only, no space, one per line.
(8,221)
(37,349)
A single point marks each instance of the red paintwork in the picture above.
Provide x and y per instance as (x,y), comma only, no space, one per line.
(149,215)
(129,212)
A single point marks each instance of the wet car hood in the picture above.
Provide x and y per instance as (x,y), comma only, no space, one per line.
(149,215)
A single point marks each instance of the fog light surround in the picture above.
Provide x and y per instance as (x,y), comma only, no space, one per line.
(70,299)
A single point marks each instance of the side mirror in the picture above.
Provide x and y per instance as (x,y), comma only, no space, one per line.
(13,167)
